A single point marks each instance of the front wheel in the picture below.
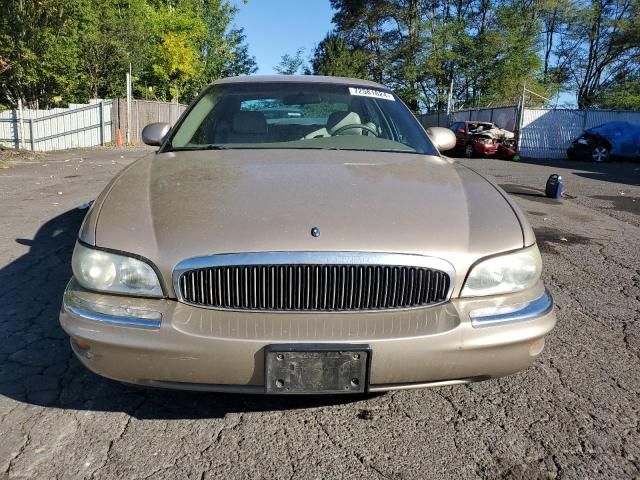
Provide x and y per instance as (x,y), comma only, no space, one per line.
(600,154)
(468,150)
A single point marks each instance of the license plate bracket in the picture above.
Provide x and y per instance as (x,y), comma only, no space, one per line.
(294,369)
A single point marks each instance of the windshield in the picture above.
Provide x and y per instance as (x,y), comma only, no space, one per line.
(299,116)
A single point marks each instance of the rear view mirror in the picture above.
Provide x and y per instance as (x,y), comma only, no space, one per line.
(301,99)
(443,138)
(155,133)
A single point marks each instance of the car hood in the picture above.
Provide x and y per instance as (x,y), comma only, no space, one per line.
(173,206)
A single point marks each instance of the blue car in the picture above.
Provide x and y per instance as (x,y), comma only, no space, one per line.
(607,142)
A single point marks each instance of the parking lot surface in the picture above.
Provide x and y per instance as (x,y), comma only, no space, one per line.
(574,414)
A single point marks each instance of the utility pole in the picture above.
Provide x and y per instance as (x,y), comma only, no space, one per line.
(20,122)
(521,116)
(450,99)
(128,80)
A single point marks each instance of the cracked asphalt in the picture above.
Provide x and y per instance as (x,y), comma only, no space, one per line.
(574,414)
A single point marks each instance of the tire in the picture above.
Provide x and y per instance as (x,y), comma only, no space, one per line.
(599,153)
(468,150)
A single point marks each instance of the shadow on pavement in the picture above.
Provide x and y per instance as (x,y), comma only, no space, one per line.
(627,173)
(38,367)
(535,194)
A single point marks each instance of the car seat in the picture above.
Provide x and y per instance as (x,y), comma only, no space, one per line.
(248,127)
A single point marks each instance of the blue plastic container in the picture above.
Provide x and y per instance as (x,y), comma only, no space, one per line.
(555,186)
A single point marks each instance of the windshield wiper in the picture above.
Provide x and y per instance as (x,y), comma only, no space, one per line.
(211,146)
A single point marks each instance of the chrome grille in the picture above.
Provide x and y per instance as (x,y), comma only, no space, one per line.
(305,287)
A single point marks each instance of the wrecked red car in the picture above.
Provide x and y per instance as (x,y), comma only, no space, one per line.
(483,139)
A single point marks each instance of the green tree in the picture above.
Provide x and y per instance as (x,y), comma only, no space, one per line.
(240,62)
(39,49)
(335,57)
(601,47)
(291,64)
(177,66)
(624,95)
(486,49)
(61,51)
(224,51)
(113,37)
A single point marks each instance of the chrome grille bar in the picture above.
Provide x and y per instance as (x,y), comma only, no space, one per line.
(313,281)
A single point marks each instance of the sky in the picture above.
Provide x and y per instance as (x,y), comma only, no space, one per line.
(274,28)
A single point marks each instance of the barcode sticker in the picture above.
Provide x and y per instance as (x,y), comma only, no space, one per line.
(367,92)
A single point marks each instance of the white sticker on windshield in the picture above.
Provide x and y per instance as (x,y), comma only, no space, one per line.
(367,92)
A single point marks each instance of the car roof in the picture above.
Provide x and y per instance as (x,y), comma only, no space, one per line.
(298,79)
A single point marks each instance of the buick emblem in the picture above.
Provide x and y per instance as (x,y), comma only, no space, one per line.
(315,232)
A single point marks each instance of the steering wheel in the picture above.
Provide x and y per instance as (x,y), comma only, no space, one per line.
(352,126)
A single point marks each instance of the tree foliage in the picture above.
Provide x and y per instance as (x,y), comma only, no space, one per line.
(487,49)
(601,47)
(335,57)
(62,51)
(621,96)
(291,64)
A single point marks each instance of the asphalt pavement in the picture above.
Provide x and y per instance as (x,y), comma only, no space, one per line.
(574,414)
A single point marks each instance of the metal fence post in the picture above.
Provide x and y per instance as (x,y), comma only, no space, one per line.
(520,122)
(33,141)
(20,132)
(101,113)
(14,136)
(128,79)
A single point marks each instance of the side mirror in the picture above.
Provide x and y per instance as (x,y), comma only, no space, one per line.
(155,133)
(443,138)
(461,130)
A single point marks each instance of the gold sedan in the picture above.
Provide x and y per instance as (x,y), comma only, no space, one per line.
(304,235)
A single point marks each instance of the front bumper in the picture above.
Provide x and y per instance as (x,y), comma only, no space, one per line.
(203,349)
(579,151)
(486,149)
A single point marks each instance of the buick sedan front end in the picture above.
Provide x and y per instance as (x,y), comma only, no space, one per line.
(335,251)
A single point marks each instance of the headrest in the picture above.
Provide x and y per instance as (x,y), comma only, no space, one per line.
(249,122)
(338,120)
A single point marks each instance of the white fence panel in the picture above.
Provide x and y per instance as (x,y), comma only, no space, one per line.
(595,118)
(547,133)
(9,129)
(82,125)
(59,128)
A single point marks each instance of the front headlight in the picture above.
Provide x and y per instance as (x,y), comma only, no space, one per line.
(113,273)
(504,274)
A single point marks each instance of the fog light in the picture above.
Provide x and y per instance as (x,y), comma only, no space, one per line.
(536,347)
(82,348)
(81,344)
